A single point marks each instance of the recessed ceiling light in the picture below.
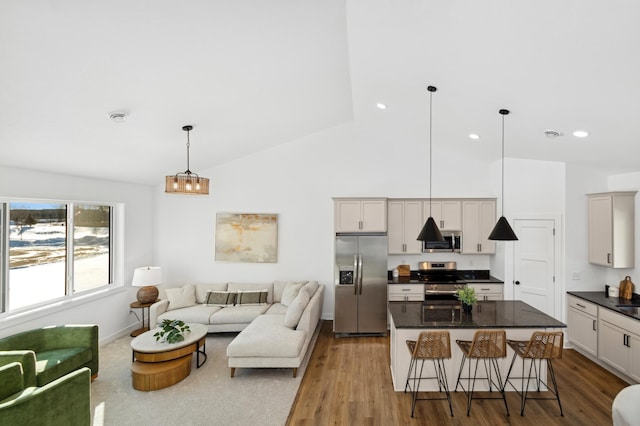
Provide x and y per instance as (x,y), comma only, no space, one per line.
(380,105)
(474,136)
(580,134)
(118,117)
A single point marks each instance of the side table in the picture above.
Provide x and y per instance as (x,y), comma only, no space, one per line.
(138,305)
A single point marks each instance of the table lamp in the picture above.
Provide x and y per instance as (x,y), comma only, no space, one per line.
(147,277)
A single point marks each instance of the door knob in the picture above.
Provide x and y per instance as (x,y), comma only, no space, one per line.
(517,283)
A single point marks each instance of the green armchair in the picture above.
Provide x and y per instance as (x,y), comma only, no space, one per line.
(49,353)
(64,401)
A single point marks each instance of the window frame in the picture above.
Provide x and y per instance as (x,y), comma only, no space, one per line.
(116,254)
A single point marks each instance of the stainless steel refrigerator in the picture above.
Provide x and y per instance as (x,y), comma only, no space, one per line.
(360,284)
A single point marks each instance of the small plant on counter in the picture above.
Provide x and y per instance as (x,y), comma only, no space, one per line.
(171,331)
(467,296)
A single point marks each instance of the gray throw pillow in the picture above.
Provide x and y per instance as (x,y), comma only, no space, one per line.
(221,298)
(295,310)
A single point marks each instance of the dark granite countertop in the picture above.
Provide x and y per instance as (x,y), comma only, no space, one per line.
(489,314)
(599,299)
(411,280)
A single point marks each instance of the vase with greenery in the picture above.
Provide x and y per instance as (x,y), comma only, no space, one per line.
(467,296)
(171,331)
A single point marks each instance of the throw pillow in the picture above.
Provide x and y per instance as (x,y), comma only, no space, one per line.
(290,292)
(312,286)
(181,297)
(220,298)
(252,297)
(295,310)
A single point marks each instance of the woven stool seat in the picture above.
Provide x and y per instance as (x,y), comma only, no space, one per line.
(433,345)
(488,346)
(542,346)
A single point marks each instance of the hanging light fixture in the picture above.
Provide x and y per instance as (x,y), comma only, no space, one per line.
(187,182)
(430,231)
(503,231)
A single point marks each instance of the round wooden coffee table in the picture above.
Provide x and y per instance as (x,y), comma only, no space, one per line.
(157,365)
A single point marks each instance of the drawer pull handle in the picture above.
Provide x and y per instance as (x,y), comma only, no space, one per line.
(582,306)
(485,289)
(406,289)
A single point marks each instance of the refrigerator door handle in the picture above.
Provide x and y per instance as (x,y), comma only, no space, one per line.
(360,272)
(355,273)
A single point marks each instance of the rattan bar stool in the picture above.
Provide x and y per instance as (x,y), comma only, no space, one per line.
(542,346)
(488,346)
(433,345)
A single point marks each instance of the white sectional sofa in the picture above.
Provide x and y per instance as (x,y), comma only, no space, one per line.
(276,320)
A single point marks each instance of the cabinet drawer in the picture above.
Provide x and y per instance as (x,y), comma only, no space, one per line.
(629,324)
(400,289)
(483,288)
(584,306)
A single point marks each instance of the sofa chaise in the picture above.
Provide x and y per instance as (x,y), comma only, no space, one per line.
(276,321)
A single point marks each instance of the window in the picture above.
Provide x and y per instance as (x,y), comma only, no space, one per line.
(55,250)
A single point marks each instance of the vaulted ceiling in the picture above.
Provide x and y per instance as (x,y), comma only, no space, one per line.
(251,74)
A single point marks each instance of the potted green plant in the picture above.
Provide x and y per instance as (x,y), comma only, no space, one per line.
(467,296)
(171,331)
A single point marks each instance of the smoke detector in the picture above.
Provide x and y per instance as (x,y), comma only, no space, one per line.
(118,117)
(552,134)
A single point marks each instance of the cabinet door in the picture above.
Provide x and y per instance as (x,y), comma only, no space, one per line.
(347,215)
(634,357)
(395,231)
(374,216)
(582,330)
(611,346)
(600,230)
(451,219)
(412,226)
(478,220)
(486,222)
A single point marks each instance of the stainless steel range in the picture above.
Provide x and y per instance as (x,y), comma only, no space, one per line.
(441,280)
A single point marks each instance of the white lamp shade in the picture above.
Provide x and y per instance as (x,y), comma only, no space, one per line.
(147,275)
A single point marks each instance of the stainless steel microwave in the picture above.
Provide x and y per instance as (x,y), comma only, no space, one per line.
(452,243)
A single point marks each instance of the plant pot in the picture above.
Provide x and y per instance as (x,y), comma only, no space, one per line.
(466,308)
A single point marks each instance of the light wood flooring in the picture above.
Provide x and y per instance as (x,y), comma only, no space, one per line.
(348,382)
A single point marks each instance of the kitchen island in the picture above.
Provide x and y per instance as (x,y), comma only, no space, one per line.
(408,319)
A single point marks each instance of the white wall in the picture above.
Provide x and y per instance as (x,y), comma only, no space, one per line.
(110,312)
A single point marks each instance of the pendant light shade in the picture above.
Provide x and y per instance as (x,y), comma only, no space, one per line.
(187,182)
(503,231)
(430,231)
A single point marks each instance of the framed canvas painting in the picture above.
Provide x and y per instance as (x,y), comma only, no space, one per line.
(247,237)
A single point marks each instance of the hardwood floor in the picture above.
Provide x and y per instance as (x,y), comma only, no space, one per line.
(348,382)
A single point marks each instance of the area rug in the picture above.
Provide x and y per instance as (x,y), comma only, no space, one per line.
(207,396)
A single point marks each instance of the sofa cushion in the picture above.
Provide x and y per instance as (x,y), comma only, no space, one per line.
(181,297)
(236,286)
(295,310)
(251,297)
(198,314)
(277,309)
(279,286)
(55,363)
(290,292)
(266,336)
(243,314)
(221,298)
(203,289)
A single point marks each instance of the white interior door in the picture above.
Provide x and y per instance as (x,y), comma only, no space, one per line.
(534,264)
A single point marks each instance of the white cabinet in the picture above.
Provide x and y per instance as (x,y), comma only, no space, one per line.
(611,229)
(446,213)
(619,342)
(405,222)
(360,214)
(405,292)
(487,291)
(582,323)
(478,220)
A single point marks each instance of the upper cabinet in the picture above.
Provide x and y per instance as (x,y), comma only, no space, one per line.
(478,219)
(611,229)
(405,224)
(360,214)
(446,213)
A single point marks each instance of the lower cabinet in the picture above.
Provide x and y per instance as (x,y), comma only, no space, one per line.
(619,342)
(582,319)
(405,292)
(488,291)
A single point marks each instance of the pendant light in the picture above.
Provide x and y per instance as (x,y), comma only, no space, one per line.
(430,231)
(503,231)
(187,182)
